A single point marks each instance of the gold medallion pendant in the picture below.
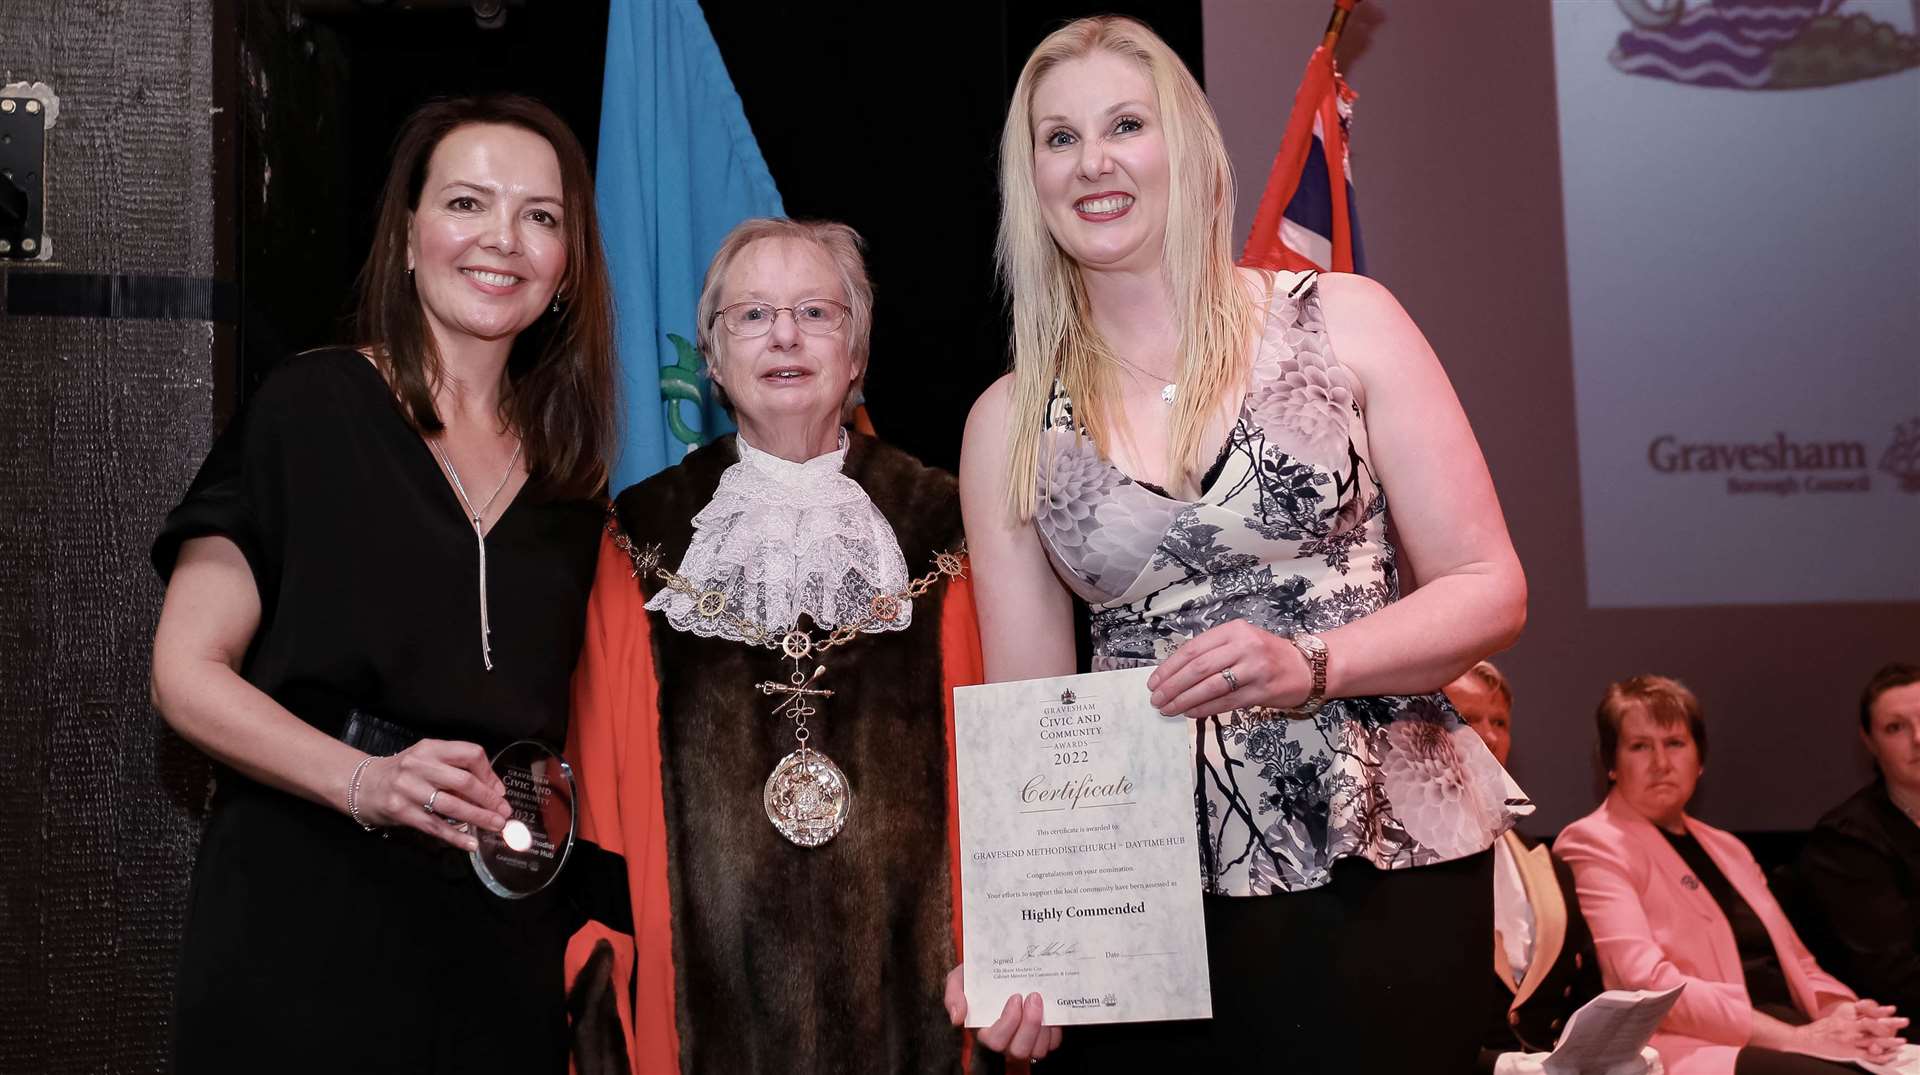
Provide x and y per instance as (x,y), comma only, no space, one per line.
(807,797)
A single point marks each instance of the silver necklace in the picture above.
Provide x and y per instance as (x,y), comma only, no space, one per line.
(1168,389)
(479,535)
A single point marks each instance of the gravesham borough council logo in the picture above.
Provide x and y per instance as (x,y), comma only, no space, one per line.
(1784,466)
(1067,696)
(1903,456)
(1760,44)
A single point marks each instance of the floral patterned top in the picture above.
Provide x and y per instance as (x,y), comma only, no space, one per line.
(1290,534)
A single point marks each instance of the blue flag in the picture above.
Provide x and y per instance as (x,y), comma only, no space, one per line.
(679,167)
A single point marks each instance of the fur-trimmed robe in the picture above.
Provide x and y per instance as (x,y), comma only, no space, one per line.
(748,953)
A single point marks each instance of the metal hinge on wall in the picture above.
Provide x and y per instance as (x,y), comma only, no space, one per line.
(28,111)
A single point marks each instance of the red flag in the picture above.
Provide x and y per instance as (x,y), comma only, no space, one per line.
(1306,218)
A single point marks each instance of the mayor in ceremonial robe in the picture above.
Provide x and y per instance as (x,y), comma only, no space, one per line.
(762,718)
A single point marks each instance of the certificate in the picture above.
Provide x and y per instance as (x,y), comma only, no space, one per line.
(1079,860)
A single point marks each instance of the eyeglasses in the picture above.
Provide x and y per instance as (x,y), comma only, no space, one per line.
(816,317)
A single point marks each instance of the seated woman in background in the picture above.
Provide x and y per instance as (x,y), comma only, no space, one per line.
(1673,901)
(1861,866)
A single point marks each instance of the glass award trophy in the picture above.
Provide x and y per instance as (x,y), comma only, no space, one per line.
(527,854)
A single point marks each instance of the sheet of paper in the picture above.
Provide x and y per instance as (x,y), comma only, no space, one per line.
(1648,1063)
(1080,866)
(1609,1030)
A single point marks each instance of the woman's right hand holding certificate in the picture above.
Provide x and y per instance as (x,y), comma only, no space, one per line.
(1019,1033)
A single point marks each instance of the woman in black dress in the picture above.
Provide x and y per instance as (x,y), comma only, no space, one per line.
(393,545)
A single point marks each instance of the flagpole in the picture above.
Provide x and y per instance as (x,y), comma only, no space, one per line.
(1315,129)
(1338,23)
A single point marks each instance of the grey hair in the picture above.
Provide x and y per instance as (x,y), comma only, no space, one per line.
(842,245)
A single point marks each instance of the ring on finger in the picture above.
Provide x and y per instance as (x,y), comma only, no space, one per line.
(430,799)
(1232,683)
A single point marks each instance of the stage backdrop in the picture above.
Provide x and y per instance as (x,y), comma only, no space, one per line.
(1743,247)
(1457,165)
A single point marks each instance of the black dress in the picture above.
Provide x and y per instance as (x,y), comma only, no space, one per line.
(311,945)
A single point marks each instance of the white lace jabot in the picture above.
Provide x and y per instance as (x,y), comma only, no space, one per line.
(780,538)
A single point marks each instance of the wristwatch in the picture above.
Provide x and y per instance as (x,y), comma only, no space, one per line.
(1315,651)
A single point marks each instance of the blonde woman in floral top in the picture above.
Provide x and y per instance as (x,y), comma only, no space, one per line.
(1203,454)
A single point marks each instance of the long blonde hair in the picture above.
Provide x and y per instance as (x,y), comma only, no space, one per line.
(1053,334)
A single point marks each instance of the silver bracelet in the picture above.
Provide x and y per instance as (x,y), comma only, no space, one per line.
(353,793)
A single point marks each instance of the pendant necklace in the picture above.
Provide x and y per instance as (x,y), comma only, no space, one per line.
(806,797)
(479,536)
(1168,389)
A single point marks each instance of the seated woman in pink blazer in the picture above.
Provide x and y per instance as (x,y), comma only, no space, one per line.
(1674,901)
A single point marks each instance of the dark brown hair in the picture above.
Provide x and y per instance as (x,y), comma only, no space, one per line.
(560,374)
(1665,701)
(1897,674)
